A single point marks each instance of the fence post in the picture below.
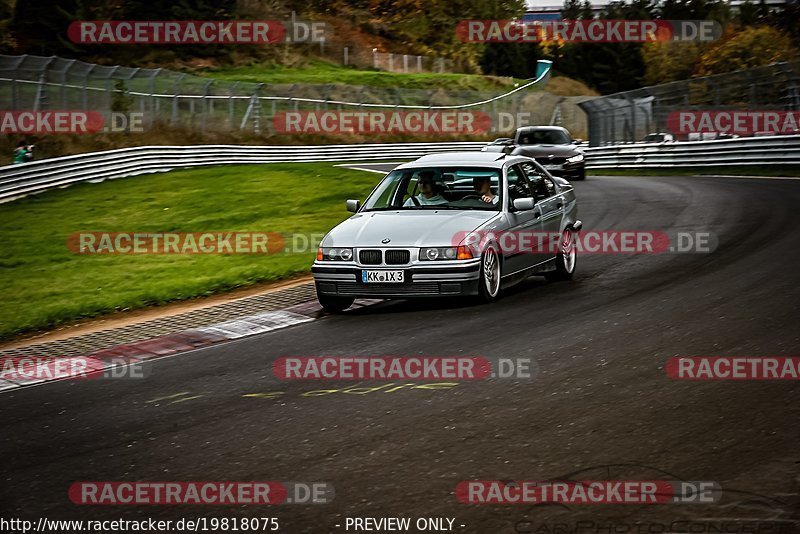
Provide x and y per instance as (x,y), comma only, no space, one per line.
(205,105)
(419,63)
(62,90)
(41,101)
(391,62)
(257,109)
(14,90)
(153,100)
(174,118)
(405,63)
(85,90)
(792,86)
(230,104)
(346,58)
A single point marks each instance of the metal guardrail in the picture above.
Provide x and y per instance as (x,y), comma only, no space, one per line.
(27,178)
(745,151)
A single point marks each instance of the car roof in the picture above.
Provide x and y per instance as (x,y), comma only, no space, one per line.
(459,159)
(539,128)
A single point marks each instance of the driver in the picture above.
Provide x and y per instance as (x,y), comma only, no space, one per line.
(483,186)
(427,195)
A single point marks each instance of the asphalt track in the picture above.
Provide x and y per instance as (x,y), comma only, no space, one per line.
(600,402)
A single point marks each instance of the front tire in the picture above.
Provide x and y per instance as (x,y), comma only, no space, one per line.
(566,259)
(491,273)
(333,304)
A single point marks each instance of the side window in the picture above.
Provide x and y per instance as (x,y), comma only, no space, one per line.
(549,186)
(538,181)
(518,186)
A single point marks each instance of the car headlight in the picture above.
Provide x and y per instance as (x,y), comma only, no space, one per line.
(334,254)
(577,158)
(445,253)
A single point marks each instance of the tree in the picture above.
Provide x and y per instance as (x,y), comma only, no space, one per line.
(669,61)
(751,47)
(748,13)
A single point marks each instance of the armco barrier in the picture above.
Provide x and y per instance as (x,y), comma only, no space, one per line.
(27,178)
(23,179)
(744,151)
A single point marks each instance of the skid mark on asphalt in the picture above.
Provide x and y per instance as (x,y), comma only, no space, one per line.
(179,397)
(358,389)
(185,399)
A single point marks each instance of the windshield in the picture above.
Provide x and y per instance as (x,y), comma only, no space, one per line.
(544,137)
(437,188)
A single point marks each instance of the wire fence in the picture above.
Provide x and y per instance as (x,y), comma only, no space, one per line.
(630,116)
(202,103)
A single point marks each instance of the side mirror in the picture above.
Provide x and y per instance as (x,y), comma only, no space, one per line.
(524,204)
(576,141)
(353,205)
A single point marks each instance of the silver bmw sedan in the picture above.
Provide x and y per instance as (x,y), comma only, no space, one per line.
(454,224)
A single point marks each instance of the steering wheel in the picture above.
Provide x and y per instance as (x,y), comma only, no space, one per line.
(476,197)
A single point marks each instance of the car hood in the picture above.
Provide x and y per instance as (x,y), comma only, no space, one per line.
(540,151)
(406,228)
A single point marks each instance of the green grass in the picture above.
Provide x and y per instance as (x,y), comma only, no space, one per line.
(320,72)
(775,170)
(44,284)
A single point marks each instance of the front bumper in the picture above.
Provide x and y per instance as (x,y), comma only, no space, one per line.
(453,279)
(565,170)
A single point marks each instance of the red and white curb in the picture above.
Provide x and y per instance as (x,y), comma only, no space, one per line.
(168,345)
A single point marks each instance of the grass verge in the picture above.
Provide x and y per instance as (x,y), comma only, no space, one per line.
(321,72)
(44,284)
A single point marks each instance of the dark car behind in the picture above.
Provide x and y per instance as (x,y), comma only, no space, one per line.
(551,146)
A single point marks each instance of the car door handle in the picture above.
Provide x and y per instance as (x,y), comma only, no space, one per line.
(560,205)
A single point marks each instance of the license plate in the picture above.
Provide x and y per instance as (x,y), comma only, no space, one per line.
(382,277)
(553,167)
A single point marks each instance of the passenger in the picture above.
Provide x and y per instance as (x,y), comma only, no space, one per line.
(427,195)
